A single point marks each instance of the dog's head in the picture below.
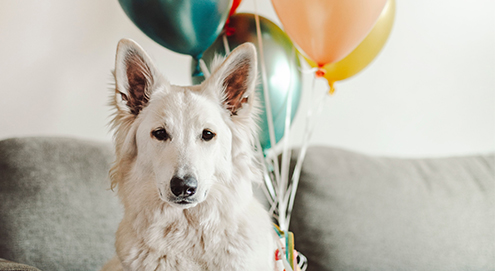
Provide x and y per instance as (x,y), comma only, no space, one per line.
(177,143)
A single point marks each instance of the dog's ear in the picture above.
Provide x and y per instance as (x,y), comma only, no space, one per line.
(135,75)
(237,78)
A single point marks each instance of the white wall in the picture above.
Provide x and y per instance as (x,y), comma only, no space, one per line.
(431,92)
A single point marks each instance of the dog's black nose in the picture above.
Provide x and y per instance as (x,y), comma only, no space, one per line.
(184,187)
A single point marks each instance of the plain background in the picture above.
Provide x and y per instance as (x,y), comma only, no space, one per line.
(429,93)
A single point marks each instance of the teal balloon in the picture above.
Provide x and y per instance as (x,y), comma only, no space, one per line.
(282,68)
(183,26)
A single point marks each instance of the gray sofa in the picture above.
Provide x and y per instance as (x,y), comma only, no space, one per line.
(352,211)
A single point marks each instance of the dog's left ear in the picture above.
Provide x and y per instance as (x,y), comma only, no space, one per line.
(237,78)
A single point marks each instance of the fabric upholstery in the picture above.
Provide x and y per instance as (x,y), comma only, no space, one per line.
(355,212)
(56,209)
(352,211)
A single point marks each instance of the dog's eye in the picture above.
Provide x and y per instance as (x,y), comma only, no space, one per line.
(160,134)
(207,135)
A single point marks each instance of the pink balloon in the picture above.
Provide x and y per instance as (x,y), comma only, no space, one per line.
(328,30)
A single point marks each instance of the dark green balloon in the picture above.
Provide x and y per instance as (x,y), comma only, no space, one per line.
(183,26)
(282,68)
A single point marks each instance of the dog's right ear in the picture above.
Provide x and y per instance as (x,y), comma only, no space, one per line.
(236,78)
(135,75)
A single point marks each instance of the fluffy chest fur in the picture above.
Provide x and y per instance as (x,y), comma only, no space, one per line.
(186,240)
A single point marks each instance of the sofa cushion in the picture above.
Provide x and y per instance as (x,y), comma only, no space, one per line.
(355,212)
(56,209)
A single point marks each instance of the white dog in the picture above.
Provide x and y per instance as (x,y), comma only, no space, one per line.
(184,168)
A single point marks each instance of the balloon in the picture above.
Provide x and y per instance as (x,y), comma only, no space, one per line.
(235,5)
(184,26)
(365,52)
(282,68)
(327,30)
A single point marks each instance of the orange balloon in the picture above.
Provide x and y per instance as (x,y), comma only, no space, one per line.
(328,30)
(364,53)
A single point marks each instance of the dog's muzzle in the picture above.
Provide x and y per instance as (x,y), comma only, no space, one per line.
(183,189)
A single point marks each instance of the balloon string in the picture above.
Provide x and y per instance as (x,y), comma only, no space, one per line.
(270,192)
(269,115)
(204,68)
(308,132)
(286,153)
(226,44)
(269,187)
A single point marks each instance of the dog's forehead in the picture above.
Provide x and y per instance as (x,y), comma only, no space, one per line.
(184,104)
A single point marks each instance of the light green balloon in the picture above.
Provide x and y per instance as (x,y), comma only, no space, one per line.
(282,68)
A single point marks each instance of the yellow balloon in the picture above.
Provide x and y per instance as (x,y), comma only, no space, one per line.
(366,51)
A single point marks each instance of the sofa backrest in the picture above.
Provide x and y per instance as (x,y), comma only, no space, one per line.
(56,209)
(357,212)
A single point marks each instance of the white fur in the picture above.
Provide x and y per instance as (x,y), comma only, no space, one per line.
(225,228)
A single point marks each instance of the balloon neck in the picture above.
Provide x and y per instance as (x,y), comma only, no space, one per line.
(331,91)
(197,70)
(229,31)
(320,72)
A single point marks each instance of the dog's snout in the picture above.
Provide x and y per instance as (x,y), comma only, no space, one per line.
(184,187)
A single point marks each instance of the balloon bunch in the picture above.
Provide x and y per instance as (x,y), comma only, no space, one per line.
(337,38)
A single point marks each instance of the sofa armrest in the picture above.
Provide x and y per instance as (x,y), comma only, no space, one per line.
(12,266)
